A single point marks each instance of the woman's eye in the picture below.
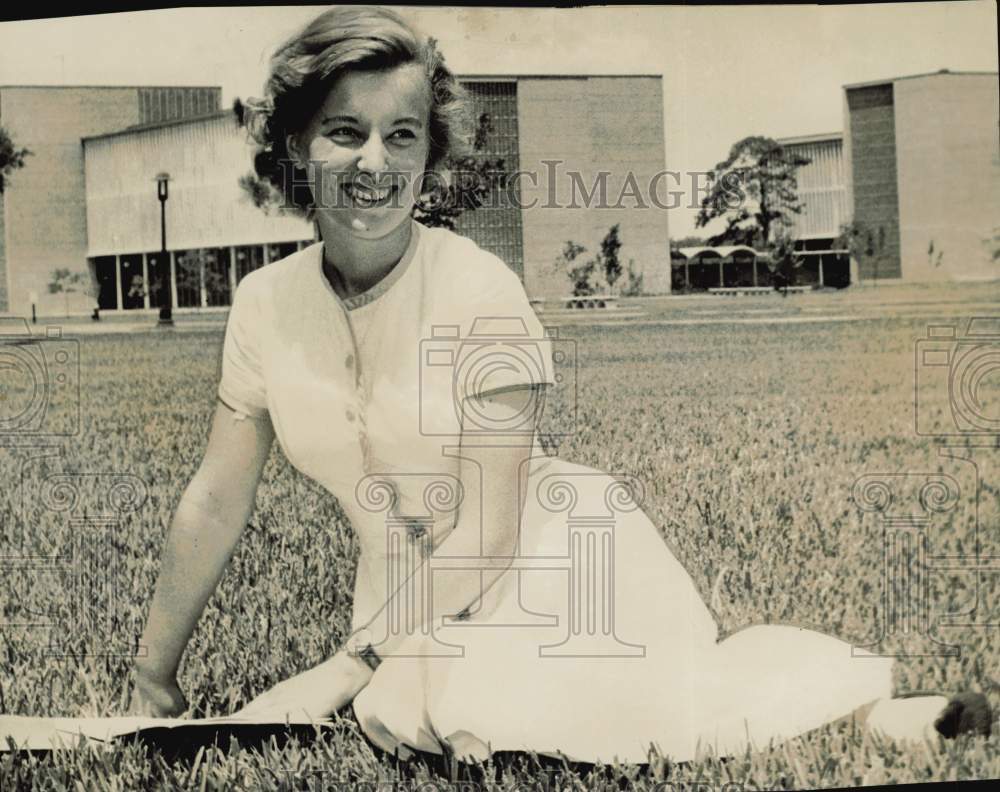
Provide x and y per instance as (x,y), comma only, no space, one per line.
(344,132)
(403,136)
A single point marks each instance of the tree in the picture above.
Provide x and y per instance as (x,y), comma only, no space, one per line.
(867,245)
(11,158)
(600,273)
(579,274)
(754,191)
(992,245)
(608,257)
(262,194)
(66,282)
(634,286)
(473,180)
(784,262)
(687,241)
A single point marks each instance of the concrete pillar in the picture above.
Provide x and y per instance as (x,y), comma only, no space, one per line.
(145,282)
(173,281)
(267,254)
(118,283)
(203,292)
(721,280)
(687,276)
(821,269)
(232,274)
(754,270)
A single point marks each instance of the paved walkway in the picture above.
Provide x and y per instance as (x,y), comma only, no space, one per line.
(946,301)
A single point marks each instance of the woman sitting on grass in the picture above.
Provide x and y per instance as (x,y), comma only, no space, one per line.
(329,350)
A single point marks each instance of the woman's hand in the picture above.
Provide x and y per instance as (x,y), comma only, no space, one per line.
(158,698)
(314,694)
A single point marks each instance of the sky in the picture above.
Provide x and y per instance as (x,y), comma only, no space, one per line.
(728,71)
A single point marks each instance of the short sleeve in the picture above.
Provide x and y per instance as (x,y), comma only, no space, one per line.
(505,346)
(241,384)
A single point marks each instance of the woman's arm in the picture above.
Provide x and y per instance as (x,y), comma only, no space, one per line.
(488,524)
(207,524)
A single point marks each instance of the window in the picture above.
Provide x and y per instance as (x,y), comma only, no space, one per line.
(496,227)
(132,281)
(248,258)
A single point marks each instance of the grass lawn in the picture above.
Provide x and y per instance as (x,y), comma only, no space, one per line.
(748,439)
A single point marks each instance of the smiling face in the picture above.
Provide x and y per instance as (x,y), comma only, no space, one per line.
(368,144)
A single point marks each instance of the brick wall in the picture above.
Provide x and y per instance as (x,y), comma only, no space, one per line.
(167,104)
(871,127)
(948,163)
(588,126)
(45,213)
(4,305)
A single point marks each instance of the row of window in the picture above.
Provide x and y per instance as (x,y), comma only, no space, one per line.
(203,277)
(817,269)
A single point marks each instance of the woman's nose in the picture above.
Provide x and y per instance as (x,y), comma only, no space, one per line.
(373,155)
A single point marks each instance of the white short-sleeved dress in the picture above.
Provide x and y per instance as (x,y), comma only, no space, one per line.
(595,643)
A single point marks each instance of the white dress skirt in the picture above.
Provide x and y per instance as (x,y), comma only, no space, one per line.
(595,645)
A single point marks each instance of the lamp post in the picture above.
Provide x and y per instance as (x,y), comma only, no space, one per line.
(166,312)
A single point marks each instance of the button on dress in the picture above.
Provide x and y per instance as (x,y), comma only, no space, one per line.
(595,643)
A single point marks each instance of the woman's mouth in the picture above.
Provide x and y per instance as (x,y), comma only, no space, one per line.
(369,197)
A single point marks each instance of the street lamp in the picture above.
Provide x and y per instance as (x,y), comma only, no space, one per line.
(166,313)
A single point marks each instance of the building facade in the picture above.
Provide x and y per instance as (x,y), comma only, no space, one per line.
(922,160)
(822,192)
(560,135)
(916,173)
(43,208)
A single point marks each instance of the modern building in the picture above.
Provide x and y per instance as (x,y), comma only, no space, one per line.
(822,192)
(922,168)
(575,142)
(823,195)
(916,173)
(43,213)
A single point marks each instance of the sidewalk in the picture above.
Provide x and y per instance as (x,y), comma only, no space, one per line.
(118,324)
(854,303)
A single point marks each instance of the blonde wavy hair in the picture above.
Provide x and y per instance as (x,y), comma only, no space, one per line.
(305,67)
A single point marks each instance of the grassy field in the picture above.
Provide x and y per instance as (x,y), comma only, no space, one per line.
(748,438)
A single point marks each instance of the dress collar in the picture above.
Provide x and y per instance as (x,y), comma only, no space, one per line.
(380,288)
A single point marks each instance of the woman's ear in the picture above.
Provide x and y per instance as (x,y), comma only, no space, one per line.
(292,146)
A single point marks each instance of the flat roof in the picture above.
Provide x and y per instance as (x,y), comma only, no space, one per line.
(817,138)
(918,76)
(229,111)
(105,87)
(519,76)
(160,124)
